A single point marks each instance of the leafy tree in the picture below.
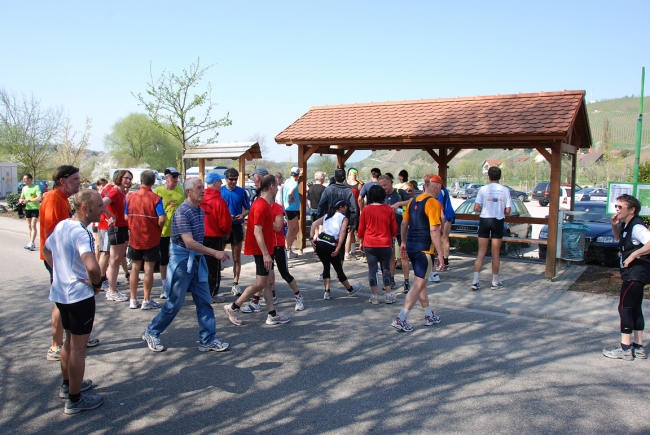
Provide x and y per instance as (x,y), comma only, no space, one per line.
(325,163)
(136,141)
(27,131)
(172,106)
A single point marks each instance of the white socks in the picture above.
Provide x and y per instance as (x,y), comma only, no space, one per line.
(476,276)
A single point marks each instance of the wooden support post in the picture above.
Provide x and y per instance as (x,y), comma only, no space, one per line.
(301,237)
(340,160)
(553,209)
(242,172)
(574,173)
(202,169)
(442,165)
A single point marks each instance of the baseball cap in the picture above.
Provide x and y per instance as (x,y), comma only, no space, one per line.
(295,170)
(433,178)
(172,171)
(214,176)
(340,203)
(339,174)
(262,172)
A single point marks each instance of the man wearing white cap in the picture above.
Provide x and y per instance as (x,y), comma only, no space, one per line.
(291,203)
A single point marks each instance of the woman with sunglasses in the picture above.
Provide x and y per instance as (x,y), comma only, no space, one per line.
(327,246)
(634,244)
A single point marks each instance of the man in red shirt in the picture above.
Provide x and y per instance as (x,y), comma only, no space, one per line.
(218,225)
(260,244)
(146,216)
(55,208)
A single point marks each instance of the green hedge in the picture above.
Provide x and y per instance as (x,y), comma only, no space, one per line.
(12,201)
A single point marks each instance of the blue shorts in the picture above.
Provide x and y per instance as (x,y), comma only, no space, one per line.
(421,263)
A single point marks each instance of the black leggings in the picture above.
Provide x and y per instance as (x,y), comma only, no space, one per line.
(214,265)
(630,307)
(324,251)
(383,256)
(280,256)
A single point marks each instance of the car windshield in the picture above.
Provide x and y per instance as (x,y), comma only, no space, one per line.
(467,208)
(593,214)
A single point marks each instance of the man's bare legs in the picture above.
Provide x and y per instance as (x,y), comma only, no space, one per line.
(292,232)
(133,279)
(73,360)
(236,260)
(115,260)
(482,252)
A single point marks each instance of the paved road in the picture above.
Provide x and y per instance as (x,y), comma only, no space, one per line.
(337,368)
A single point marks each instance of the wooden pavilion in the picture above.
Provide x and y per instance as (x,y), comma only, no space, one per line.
(240,151)
(553,123)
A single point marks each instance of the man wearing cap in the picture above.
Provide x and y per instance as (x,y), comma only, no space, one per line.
(146,217)
(218,225)
(493,202)
(421,228)
(291,203)
(173,196)
(238,206)
(375,173)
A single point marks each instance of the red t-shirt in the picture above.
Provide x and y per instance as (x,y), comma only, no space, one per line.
(278,210)
(117,206)
(260,214)
(377,226)
(103,223)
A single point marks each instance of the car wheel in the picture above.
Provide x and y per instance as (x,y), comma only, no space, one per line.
(543,203)
(521,198)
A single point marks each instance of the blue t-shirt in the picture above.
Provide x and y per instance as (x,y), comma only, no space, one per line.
(160,208)
(288,185)
(187,219)
(366,187)
(236,199)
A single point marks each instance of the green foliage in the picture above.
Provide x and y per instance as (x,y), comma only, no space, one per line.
(325,163)
(12,201)
(136,141)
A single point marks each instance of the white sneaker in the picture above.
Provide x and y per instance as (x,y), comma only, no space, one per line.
(292,254)
(150,304)
(263,301)
(319,277)
(346,257)
(434,277)
(300,303)
(117,297)
(327,296)
(134,305)
(105,286)
(355,288)
(236,290)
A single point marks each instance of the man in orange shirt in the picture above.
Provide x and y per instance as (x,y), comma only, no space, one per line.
(55,208)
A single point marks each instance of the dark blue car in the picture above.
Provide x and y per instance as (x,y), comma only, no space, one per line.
(600,246)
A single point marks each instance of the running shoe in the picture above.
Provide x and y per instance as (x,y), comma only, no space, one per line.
(236,290)
(233,315)
(215,346)
(117,297)
(639,353)
(292,254)
(346,257)
(434,277)
(134,305)
(278,319)
(250,308)
(92,342)
(319,277)
(431,320)
(28,246)
(64,391)
(85,403)
(218,299)
(263,301)
(105,286)
(407,287)
(475,286)
(401,325)
(150,305)
(327,296)
(497,286)
(619,353)
(445,268)
(374,299)
(300,303)
(153,342)
(390,299)
(54,354)
(392,283)
(355,288)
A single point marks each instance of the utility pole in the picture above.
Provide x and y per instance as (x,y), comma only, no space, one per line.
(639,125)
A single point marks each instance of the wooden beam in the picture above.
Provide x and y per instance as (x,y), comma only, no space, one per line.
(301,238)
(543,152)
(310,151)
(453,153)
(433,154)
(347,155)
(569,149)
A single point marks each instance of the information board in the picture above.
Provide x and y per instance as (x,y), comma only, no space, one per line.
(640,191)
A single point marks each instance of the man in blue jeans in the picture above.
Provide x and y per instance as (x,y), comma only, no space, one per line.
(188,270)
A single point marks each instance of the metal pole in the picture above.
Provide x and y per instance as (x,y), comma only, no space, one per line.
(639,125)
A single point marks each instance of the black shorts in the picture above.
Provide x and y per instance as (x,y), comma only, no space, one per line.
(421,264)
(293,214)
(490,228)
(236,235)
(118,235)
(29,214)
(149,255)
(164,250)
(78,318)
(260,270)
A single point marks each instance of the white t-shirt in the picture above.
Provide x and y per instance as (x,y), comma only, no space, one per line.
(332,226)
(68,242)
(640,235)
(494,198)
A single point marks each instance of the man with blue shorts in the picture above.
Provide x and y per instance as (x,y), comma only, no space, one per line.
(421,228)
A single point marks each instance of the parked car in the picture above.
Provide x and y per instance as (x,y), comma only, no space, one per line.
(518,194)
(565,197)
(510,229)
(600,245)
(598,194)
(470,191)
(44,185)
(456,186)
(541,192)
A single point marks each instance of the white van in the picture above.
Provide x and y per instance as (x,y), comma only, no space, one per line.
(136,175)
(194,170)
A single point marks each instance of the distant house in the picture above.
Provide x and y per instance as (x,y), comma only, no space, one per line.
(488,163)
(590,158)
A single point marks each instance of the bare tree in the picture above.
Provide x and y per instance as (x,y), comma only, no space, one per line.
(171,105)
(27,131)
(70,146)
(261,140)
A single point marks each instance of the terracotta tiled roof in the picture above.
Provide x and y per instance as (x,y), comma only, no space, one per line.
(589,158)
(493,162)
(546,113)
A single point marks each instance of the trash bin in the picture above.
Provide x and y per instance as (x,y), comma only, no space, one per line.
(573,241)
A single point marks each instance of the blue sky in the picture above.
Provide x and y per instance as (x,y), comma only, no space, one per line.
(273,60)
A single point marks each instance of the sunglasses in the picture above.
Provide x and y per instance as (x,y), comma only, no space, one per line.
(232,179)
(618,207)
